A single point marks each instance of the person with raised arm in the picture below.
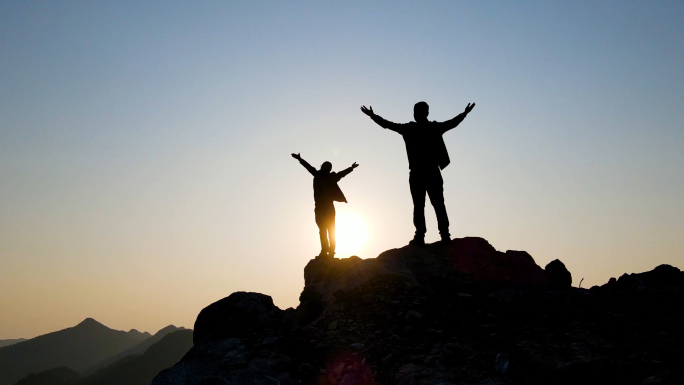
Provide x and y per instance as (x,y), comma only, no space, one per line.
(427,156)
(326,191)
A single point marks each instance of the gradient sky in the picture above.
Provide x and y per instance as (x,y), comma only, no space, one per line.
(145,167)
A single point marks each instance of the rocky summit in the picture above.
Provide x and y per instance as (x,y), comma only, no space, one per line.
(456,313)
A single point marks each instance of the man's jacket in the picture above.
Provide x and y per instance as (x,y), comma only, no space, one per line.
(424,143)
(325,185)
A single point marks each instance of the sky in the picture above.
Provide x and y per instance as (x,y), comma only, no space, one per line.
(145,167)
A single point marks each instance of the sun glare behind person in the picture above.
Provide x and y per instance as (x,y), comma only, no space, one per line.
(352,233)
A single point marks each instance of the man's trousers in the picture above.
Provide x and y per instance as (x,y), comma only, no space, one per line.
(430,182)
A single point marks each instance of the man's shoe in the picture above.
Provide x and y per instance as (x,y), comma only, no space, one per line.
(417,241)
(446,239)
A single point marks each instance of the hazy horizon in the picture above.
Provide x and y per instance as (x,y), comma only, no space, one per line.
(145,148)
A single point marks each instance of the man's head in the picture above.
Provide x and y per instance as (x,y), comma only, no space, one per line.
(421,111)
(326,167)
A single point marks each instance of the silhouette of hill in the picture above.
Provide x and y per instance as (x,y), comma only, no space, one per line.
(135,350)
(141,369)
(4,343)
(77,348)
(130,370)
(444,314)
(54,376)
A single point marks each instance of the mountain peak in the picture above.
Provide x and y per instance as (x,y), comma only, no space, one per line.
(78,347)
(168,329)
(89,322)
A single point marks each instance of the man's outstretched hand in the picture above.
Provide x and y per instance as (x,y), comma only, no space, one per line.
(296,156)
(368,111)
(355,165)
(469,107)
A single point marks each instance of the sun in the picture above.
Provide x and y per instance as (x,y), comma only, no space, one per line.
(351,233)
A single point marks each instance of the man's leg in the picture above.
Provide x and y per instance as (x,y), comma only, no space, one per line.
(435,190)
(331,234)
(417,185)
(322,232)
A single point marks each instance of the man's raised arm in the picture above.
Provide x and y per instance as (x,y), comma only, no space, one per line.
(346,171)
(306,164)
(451,123)
(397,127)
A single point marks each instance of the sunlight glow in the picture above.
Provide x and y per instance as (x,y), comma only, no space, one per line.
(352,233)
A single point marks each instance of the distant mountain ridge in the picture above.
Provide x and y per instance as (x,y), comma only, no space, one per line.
(78,348)
(135,350)
(4,343)
(141,369)
(172,343)
(55,376)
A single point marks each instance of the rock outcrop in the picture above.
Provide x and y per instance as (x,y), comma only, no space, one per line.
(461,313)
(238,315)
(558,275)
(663,278)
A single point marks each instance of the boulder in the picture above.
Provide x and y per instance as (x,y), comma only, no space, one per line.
(241,314)
(494,269)
(327,280)
(559,277)
(318,275)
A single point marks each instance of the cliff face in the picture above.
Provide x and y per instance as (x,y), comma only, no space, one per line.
(460,313)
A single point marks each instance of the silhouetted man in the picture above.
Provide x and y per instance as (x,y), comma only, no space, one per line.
(427,155)
(326,191)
